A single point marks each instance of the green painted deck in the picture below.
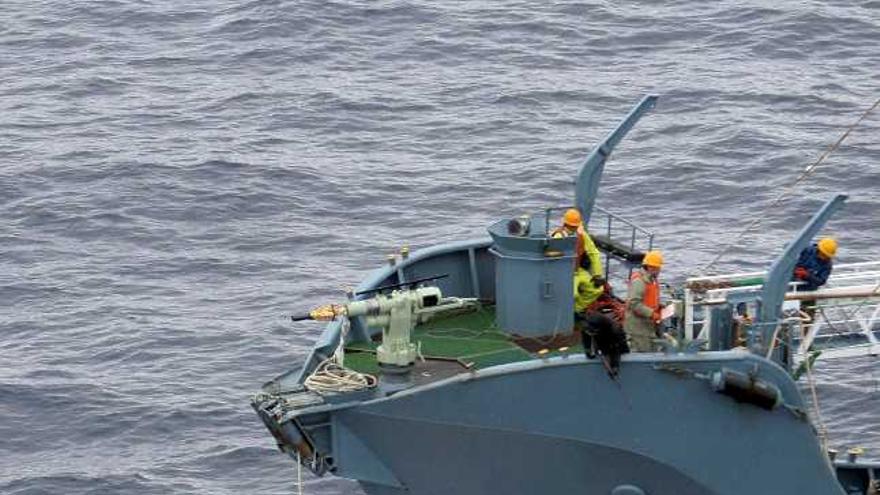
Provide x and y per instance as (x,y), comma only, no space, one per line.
(471,339)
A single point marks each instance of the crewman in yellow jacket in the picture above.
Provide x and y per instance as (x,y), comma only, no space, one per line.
(589,282)
(572,225)
(587,288)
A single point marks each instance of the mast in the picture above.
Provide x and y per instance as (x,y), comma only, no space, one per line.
(591,172)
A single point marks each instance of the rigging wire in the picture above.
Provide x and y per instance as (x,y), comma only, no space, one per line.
(874,378)
(791,187)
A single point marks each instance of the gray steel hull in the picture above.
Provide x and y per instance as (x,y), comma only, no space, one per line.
(563,426)
(472,460)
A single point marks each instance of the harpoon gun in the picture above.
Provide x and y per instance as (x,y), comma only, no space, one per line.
(397,314)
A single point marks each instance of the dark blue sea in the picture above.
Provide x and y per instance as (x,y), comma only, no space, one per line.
(178,177)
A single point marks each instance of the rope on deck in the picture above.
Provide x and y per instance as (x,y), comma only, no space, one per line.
(332,376)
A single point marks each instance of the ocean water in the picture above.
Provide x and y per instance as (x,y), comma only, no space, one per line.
(177,177)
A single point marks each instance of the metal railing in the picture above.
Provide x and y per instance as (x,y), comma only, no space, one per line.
(846,320)
(619,230)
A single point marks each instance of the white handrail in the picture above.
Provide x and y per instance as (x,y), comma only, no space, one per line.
(849,281)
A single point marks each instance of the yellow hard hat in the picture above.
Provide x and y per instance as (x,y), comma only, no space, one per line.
(572,218)
(828,247)
(653,258)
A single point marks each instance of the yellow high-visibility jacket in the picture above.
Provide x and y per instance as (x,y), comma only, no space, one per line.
(585,247)
(585,293)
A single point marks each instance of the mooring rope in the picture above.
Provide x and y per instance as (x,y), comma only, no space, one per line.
(820,424)
(299,473)
(791,187)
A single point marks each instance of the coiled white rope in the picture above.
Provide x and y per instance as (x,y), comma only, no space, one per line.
(331,376)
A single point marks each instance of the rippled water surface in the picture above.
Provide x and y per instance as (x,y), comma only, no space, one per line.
(175,177)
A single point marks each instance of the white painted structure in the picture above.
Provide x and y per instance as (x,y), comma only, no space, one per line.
(847,318)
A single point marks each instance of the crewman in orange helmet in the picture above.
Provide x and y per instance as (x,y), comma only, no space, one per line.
(642,317)
(572,225)
(812,269)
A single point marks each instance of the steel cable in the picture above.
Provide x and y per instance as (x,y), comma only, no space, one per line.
(790,188)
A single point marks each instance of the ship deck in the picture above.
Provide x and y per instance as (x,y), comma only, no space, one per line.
(466,341)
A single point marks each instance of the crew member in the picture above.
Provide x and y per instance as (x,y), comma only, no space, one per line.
(814,264)
(572,225)
(812,269)
(587,289)
(642,318)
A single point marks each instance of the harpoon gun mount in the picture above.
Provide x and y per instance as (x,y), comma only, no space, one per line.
(397,313)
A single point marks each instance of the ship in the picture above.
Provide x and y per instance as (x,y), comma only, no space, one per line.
(455,369)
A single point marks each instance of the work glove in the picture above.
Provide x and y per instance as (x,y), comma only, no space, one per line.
(598,280)
(801,273)
(656,317)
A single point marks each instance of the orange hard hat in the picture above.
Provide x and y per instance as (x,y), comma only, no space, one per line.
(828,247)
(572,218)
(653,258)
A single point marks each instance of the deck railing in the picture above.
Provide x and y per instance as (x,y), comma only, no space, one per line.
(619,231)
(847,308)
